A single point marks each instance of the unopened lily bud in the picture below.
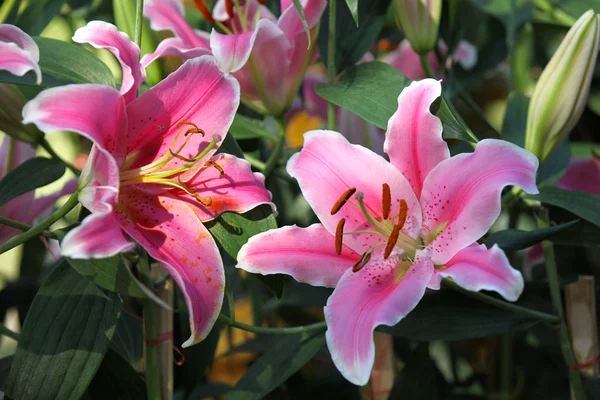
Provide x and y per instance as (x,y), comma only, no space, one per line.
(419,20)
(11,107)
(561,92)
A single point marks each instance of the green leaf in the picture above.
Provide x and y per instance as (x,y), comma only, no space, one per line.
(417,380)
(300,11)
(352,41)
(232,230)
(583,204)
(371,91)
(30,175)
(244,127)
(353,7)
(38,14)
(63,63)
(286,356)
(512,13)
(124,12)
(116,379)
(112,274)
(447,315)
(584,234)
(514,239)
(66,333)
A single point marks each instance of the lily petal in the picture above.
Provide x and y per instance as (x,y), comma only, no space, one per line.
(329,165)
(174,47)
(172,234)
(414,136)
(98,236)
(20,53)
(478,268)
(170,15)
(232,51)
(461,195)
(364,300)
(196,93)
(18,61)
(96,112)
(306,254)
(407,61)
(290,22)
(583,175)
(103,35)
(238,189)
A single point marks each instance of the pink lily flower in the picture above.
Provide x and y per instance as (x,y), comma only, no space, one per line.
(25,208)
(153,173)
(582,175)
(267,55)
(407,61)
(389,230)
(20,54)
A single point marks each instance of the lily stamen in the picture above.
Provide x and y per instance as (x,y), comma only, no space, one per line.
(339,236)
(337,206)
(362,262)
(386,201)
(216,166)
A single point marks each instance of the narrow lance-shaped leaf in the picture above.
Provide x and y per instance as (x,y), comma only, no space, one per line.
(29,176)
(65,335)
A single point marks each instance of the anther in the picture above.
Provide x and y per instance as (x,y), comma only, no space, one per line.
(386,201)
(263,2)
(203,201)
(229,8)
(204,11)
(362,262)
(402,214)
(182,158)
(339,235)
(393,239)
(216,166)
(342,200)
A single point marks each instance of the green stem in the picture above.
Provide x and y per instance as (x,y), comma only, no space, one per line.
(46,146)
(277,151)
(542,316)
(139,12)
(316,327)
(554,12)
(331,71)
(555,294)
(256,163)
(151,354)
(25,227)
(42,226)
(426,65)
(4,331)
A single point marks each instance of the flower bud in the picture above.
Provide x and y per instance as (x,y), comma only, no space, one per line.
(420,20)
(11,107)
(561,92)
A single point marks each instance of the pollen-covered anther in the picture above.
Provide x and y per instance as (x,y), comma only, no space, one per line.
(342,200)
(229,8)
(386,201)
(339,235)
(204,11)
(393,239)
(362,262)
(194,128)
(202,200)
(402,214)
(216,166)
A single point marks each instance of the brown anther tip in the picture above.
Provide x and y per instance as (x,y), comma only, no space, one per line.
(392,240)
(216,166)
(342,200)
(386,201)
(229,8)
(362,262)
(339,235)
(402,214)
(204,11)
(263,2)
(203,201)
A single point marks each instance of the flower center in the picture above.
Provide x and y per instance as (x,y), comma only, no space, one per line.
(167,171)
(384,226)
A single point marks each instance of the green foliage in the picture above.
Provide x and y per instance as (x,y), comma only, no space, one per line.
(66,333)
(37,15)
(63,63)
(371,91)
(582,204)
(30,175)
